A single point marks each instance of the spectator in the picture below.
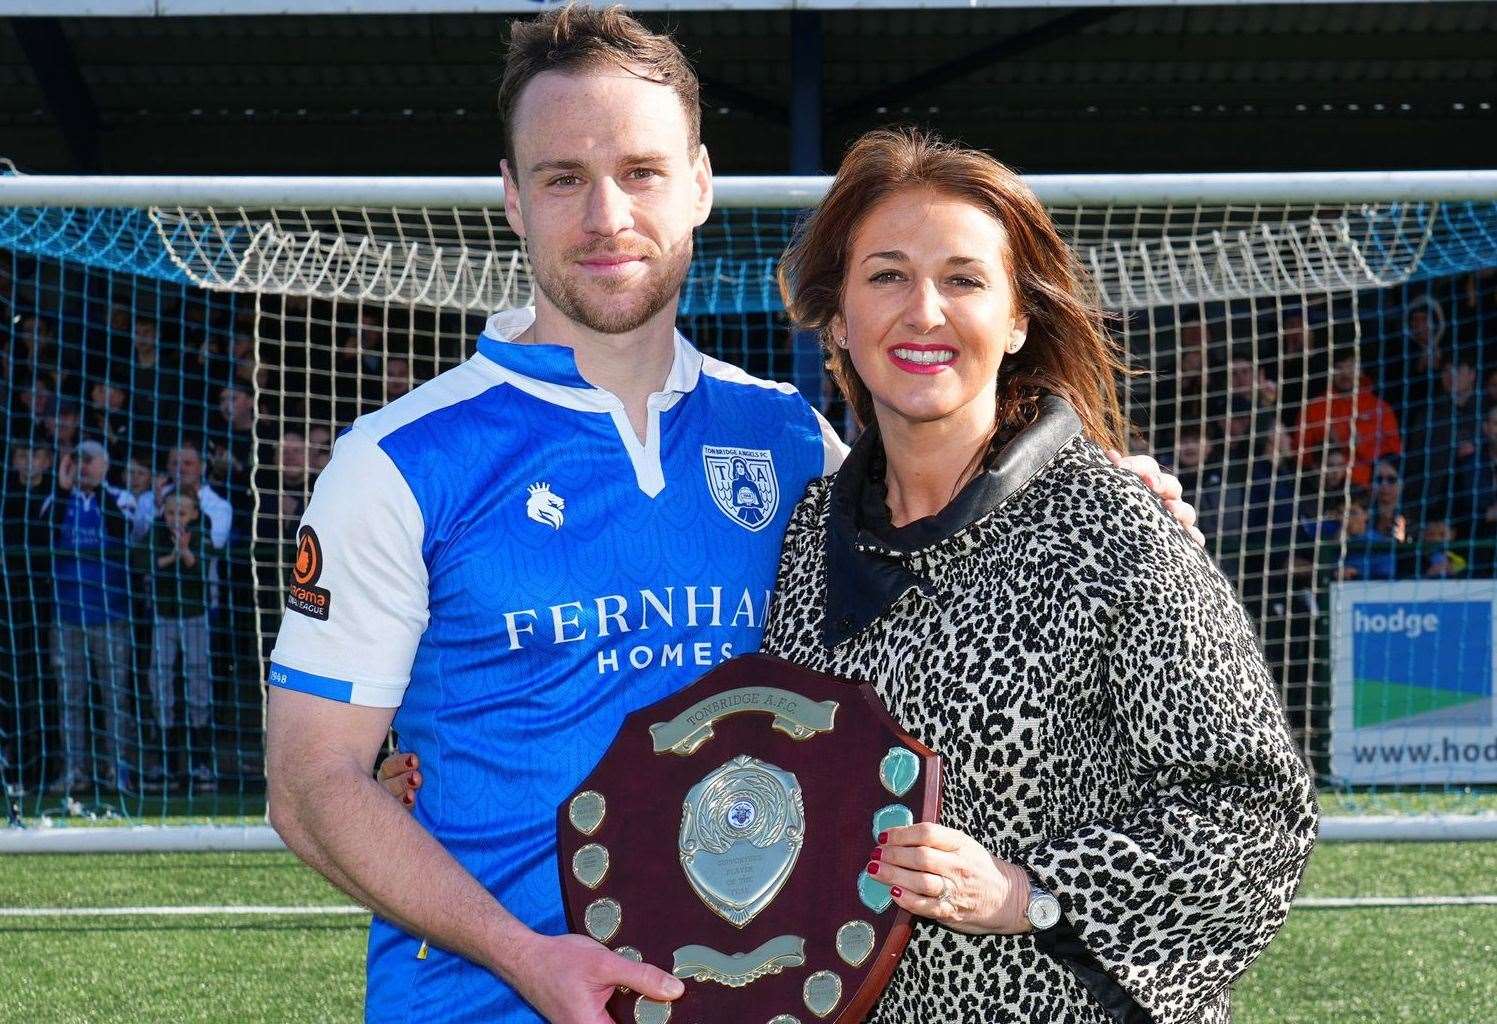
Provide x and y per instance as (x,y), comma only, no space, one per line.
(1302,362)
(232,451)
(1350,416)
(1196,462)
(397,377)
(1475,326)
(61,428)
(35,395)
(1440,557)
(92,628)
(174,559)
(137,484)
(1386,508)
(184,471)
(1423,353)
(319,447)
(1370,555)
(1323,502)
(285,488)
(1476,515)
(1442,440)
(28,607)
(107,417)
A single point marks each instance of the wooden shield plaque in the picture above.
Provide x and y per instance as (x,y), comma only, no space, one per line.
(724,836)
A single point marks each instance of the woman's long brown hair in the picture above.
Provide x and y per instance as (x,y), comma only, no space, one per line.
(1068,350)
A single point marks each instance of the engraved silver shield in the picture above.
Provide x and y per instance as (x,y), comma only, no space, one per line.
(742,829)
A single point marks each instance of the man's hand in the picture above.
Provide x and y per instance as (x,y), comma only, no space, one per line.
(67,472)
(570,978)
(1166,485)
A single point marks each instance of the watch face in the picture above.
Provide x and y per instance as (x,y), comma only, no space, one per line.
(1044,911)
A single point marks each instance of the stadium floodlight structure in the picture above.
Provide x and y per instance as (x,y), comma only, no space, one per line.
(1233,295)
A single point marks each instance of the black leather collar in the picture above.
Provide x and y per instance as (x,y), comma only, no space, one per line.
(871,564)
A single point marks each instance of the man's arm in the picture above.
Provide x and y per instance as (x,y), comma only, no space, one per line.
(337,818)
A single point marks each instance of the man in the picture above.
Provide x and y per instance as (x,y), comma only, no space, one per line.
(184,471)
(92,629)
(1350,416)
(527,548)
(27,590)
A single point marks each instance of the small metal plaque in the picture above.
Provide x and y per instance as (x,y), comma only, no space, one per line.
(876,896)
(590,864)
(602,918)
(783,1018)
(891,816)
(650,1011)
(898,770)
(855,942)
(742,829)
(703,963)
(821,993)
(794,715)
(586,811)
(629,953)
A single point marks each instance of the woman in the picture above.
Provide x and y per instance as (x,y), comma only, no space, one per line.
(1108,728)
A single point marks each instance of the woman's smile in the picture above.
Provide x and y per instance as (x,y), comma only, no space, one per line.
(922,357)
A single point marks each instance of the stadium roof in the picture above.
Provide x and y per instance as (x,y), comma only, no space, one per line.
(1137,88)
(241,8)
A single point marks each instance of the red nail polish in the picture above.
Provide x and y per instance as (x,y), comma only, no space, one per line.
(897,891)
(409,799)
(873,867)
(878,853)
(410,762)
(883,837)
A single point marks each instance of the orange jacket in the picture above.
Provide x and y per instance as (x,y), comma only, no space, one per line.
(1360,423)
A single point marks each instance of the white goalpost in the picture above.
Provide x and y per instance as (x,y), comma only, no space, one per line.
(1235,297)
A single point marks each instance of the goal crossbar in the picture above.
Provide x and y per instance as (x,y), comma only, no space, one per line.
(742,191)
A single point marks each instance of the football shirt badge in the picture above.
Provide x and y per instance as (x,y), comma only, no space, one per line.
(305,596)
(743,484)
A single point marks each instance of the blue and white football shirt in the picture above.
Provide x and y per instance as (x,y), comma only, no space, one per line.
(497,555)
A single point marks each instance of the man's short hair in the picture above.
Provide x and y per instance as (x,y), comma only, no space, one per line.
(577,38)
(87,448)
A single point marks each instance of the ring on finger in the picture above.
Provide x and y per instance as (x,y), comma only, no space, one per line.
(944,896)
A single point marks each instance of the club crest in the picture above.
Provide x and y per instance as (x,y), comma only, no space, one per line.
(743,484)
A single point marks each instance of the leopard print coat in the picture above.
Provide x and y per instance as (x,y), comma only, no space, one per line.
(1104,716)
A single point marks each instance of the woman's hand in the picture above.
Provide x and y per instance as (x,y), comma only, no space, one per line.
(948,876)
(400,774)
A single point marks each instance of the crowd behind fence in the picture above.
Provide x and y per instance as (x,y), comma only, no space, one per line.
(162,441)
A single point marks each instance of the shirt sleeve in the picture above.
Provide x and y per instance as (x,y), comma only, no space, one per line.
(834,450)
(142,516)
(357,603)
(1177,897)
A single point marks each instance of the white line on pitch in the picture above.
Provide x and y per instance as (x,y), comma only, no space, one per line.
(1358,902)
(336,908)
(1308,902)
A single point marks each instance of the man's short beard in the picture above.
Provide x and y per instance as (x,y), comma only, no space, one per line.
(661,285)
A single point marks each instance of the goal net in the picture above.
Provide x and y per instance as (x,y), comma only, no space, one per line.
(1315,360)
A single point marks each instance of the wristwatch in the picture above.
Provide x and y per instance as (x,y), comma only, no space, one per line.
(1043,910)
